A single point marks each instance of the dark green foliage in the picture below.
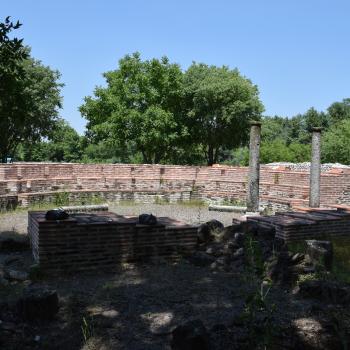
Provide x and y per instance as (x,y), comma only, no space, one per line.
(140,105)
(336,143)
(29,94)
(171,116)
(63,145)
(220,103)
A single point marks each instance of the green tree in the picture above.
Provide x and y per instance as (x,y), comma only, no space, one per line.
(273,128)
(336,143)
(141,105)
(339,111)
(63,145)
(220,103)
(29,94)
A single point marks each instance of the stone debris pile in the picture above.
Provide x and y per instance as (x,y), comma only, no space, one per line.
(306,166)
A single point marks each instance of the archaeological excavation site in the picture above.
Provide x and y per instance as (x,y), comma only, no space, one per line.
(119,256)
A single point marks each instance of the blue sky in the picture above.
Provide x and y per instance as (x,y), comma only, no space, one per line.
(297,52)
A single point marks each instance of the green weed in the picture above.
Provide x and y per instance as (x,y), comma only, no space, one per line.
(87,328)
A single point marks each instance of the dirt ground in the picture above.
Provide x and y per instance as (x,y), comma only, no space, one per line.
(136,306)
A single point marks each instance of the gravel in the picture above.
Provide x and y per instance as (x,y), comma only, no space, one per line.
(17,221)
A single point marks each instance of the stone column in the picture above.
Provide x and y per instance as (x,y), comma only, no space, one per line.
(254,168)
(315,169)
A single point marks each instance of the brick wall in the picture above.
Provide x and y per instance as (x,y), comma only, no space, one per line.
(313,224)
(80,243)
(33,181)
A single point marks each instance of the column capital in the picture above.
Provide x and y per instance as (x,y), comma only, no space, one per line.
(316,129)
(255,123)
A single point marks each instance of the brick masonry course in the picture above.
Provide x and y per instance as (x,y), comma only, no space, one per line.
(306,223)
(28,183)
(87,241)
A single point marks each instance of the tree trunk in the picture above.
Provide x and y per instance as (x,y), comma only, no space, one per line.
(144,156)
(210,156)
(216,155)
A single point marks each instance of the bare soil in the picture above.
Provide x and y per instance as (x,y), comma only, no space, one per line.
(136,306)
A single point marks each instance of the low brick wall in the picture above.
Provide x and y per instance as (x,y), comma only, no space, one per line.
(314,224)
(101,240)
(280,186)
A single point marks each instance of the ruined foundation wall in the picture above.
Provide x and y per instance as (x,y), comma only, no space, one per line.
(28,183)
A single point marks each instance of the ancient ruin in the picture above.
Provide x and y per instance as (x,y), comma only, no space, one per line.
(88,241)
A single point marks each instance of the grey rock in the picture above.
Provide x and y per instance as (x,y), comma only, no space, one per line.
(16,275)
(238,253)
(191,336)
(201,259)
(297,258)
(203,233)
(215,249)
(3,282)
(239,238)
(320,252)
(223,260)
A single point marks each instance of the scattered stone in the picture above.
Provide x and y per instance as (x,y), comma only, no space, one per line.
(239,238)
(218,328)
(3,282)
(297,258)
(38,303)
(56,214)
(37,338)
(325,291)
(203,233)
(230,246)
(215,225)
(207,230)
(215,249)
(223,260)
(201,259)
(229,231)
(278,268)
(320,252)
(191,336)
(147,219)
(8,326)
(14,275)
(14,244)
(110,313)
(239,253)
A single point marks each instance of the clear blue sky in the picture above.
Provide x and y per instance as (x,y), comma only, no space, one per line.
(296,51)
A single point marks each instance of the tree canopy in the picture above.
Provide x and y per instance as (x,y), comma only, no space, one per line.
(220,105)
(140,105)
(165,112)
(29,94)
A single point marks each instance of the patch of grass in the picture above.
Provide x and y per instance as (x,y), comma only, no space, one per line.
(193,203)
(160,200)
(234,201)
(254,260)
(87,328)
(88,198)
(61,199)
(341,256)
